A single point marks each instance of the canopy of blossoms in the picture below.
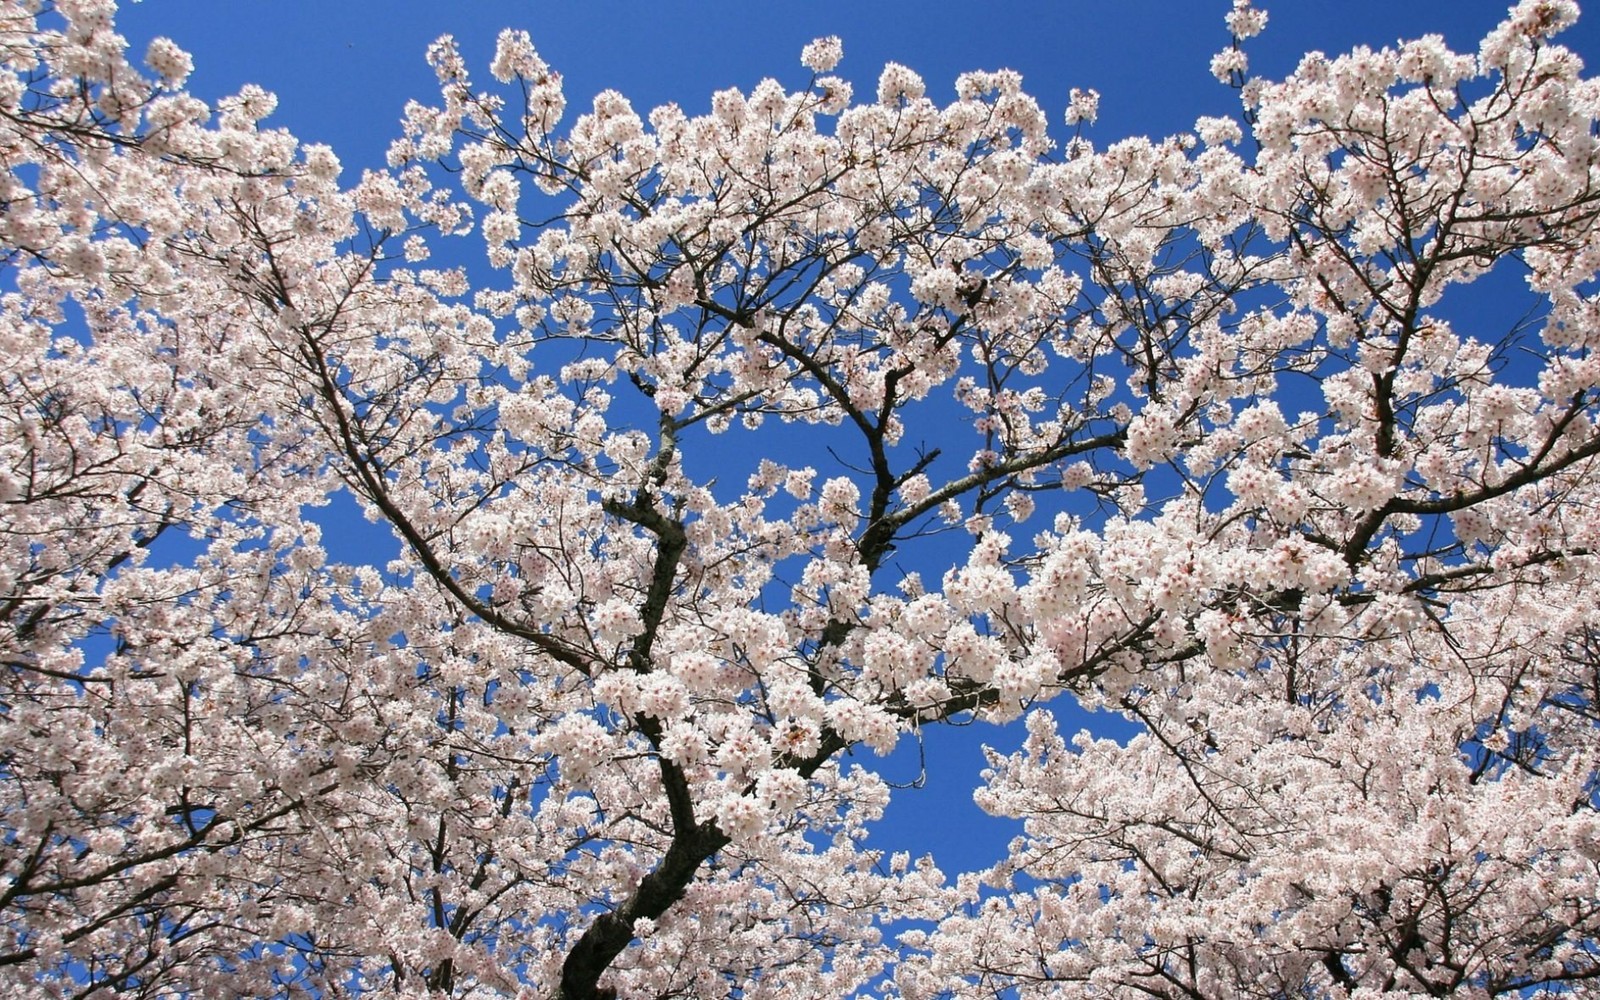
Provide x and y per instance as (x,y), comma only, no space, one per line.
(1203,431)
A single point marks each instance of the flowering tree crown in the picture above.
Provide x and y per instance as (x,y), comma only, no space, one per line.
(1195,430)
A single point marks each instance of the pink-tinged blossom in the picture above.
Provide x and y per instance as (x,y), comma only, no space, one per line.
(898,84)
(1083,106)
(1245,20)
(514,57)
(169,62)
(823,54)
(1229,64)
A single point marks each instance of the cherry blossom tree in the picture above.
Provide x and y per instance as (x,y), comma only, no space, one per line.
(1213,432)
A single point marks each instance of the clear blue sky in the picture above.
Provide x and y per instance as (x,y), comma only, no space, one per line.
(343,69)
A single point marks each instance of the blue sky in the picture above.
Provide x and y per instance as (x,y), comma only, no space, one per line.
(343,70)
